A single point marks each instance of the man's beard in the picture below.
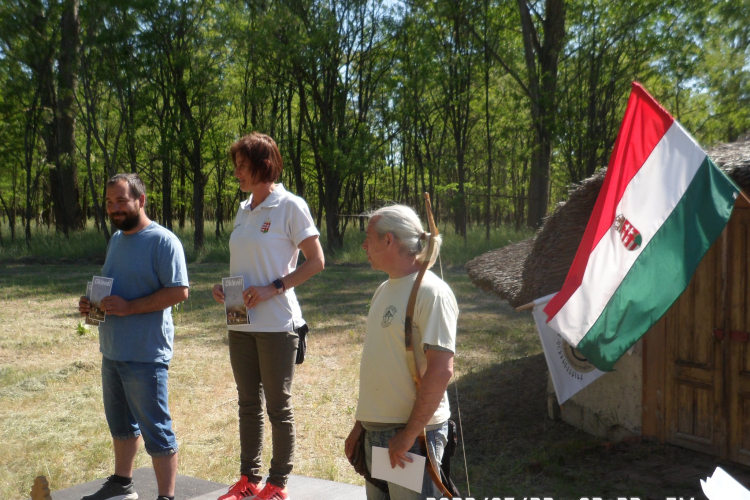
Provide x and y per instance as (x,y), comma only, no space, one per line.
(130,221)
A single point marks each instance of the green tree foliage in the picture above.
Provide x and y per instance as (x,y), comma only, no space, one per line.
(491,106)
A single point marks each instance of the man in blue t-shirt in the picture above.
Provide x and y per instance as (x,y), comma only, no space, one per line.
(147,265)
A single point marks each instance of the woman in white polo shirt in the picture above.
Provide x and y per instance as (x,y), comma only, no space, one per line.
(270,229)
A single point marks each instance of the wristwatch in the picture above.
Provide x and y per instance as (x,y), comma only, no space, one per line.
(279,286)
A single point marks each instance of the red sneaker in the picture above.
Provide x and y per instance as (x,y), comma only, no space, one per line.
(272,492)
(241,489)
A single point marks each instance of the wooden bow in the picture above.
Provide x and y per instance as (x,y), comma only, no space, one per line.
(416,358)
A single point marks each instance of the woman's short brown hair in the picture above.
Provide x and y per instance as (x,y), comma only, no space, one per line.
(263,155)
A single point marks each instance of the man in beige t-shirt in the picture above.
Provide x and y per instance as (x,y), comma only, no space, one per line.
(390,410)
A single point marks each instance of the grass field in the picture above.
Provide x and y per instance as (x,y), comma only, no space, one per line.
(51,415)
(52,421)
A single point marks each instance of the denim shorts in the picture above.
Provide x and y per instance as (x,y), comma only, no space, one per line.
(135,404)
(436,440)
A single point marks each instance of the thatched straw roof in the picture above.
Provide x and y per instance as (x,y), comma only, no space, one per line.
(734,159)
(538,266)
(497,271)
(731,155)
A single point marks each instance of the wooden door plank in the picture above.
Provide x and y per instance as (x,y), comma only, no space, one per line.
(694,363)
(654,372)
(738,353)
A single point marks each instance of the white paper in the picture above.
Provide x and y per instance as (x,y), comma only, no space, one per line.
(722,486)
(410,476)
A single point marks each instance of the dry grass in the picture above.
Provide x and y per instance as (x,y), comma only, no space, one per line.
(52,421)
(51,416)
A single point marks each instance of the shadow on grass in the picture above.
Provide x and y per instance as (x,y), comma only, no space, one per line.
(514,449)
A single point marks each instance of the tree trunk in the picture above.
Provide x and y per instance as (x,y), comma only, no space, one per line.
(461,210)
(198,188)
(541,65)
(182,195)
(220,183)
(294,141)
(29,193)
(166,181)
(331,202)
(130,139)
(10,213)
(461,61)
(487,122)
(98,212)
(49,135)
(67,169)
(12,224)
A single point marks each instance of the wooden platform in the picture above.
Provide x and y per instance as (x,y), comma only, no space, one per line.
(191,488)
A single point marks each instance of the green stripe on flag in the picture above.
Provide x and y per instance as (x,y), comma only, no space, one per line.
(664,269)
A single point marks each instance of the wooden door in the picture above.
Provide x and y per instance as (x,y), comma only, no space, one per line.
(696,359)
(736,337)
(695,415)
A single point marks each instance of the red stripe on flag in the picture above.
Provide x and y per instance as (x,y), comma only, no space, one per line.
(644,124)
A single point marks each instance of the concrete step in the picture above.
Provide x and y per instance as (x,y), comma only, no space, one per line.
(192,488)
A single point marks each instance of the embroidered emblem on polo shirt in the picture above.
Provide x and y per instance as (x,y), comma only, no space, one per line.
(266,226)
(388,315)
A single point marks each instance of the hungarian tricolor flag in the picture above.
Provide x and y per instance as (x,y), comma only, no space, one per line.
(661,207)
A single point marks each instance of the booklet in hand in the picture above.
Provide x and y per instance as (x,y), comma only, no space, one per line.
(100,288)
(234,305)
(88,320)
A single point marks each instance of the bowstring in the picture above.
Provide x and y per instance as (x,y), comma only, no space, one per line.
(458,406)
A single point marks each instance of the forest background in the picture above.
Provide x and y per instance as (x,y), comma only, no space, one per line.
(491,106)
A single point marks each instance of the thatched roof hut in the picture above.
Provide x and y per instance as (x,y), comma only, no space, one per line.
(651,393)
(538,266)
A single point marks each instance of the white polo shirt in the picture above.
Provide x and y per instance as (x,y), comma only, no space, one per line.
(263,247)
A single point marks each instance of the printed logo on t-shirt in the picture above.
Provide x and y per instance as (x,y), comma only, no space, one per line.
(266,226)
(388,315)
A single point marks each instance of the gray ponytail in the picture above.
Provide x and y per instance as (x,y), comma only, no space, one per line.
(404,224)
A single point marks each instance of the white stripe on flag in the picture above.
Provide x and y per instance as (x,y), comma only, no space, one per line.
(648,200)
(566,379)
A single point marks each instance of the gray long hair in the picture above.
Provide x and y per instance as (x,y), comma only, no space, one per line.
(404,224)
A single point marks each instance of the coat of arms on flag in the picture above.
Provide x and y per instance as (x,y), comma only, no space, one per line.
(667,203)
(629,235)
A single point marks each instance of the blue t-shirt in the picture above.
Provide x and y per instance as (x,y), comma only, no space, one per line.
(141,264)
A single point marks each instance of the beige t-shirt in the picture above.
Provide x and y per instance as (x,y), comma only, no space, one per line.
(386,389)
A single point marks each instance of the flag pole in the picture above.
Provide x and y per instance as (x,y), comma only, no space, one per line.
(525,307)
